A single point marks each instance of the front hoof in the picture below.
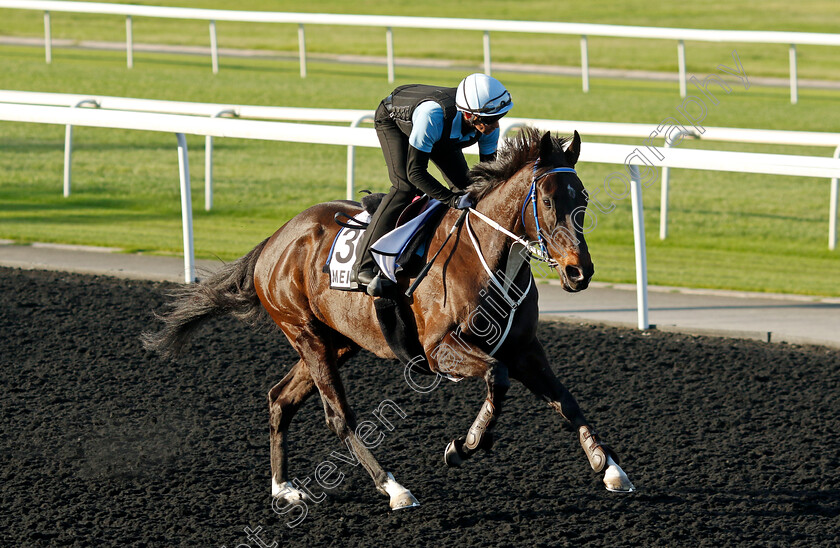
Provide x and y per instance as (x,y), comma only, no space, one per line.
(400,496)
(403,500)
(287,492)
(616,481)
(454,456)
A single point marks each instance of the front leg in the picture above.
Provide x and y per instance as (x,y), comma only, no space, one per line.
(535,373)
(480,434)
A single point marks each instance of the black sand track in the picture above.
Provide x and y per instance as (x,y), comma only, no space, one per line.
(729,442)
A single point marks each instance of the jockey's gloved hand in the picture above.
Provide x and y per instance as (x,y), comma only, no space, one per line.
(461,200)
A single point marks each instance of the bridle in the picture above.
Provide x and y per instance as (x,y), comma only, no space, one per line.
(538,251)
(542,254)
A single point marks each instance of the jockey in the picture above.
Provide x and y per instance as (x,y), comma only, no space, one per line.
(418,123)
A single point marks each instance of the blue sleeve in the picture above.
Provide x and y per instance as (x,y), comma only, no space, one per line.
(487,143)
(427,126)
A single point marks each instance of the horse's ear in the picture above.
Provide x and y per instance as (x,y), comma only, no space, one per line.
(546,146)
(573,152)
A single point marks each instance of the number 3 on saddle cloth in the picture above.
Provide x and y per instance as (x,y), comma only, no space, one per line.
(401,251)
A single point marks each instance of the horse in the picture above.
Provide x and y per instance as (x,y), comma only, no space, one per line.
(529,193)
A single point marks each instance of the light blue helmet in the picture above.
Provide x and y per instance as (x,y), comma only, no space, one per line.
(483,96)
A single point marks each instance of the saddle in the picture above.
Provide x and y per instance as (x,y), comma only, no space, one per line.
(401,251)
(404,249)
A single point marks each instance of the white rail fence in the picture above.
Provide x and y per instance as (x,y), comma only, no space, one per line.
(583,30)
(214,110)
(355,117)
(307,133)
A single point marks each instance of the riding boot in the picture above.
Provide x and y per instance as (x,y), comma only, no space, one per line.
(382,222)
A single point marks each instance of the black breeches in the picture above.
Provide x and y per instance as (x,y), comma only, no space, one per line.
(382,222)
(394,145)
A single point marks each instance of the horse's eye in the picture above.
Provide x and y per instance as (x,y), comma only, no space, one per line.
(547,202)
(572,193)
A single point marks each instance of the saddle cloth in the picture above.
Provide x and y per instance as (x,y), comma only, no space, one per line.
(394,252)
(389,251)
(342,254)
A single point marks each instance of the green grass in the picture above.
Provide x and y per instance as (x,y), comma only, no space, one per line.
(748,232)
(766,59)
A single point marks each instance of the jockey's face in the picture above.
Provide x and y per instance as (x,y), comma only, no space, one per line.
(487,129)
(483,127)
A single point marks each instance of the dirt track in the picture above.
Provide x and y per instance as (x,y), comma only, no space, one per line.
(729,442)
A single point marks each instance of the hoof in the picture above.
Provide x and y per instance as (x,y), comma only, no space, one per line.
(453,456)
(287,492)
(400,496)
(615,480)
(403,500)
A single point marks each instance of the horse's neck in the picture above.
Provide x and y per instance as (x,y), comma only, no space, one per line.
(503,204)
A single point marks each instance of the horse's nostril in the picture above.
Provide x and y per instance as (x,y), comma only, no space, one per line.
(574,273)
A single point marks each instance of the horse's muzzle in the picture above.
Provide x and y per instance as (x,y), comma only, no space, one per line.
(576,278)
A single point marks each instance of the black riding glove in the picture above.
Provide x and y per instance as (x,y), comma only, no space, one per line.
(461,200)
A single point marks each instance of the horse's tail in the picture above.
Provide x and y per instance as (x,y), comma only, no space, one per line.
(228,291)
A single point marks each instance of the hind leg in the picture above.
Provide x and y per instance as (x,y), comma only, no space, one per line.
(316,349)
(284,399)
(535,373)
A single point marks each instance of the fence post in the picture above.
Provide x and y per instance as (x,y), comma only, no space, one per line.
(389,46)
(186,209)
(487,63)
(666,179)
(351,159)
(584,62)
(129,42)
(68,147)
(832,209)
(663,199)
(794,92)
(214,48)
(302,48)
(639,241)
(68,152)
(208,162)
(47,38)
(681,60)
(208,172)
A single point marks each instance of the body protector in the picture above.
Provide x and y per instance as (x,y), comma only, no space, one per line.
(405,99)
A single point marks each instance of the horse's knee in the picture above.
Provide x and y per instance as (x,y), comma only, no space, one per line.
(336,424)
(498,382)
(280,413)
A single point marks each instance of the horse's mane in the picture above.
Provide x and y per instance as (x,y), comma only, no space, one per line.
(511,157)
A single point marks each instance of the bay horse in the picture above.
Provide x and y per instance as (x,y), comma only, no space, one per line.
(532,190)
